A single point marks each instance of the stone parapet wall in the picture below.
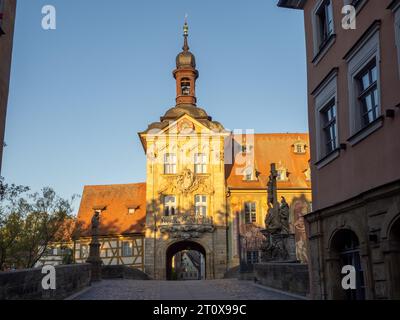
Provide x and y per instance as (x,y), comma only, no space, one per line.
(123,272)
(27,284)
(289,277)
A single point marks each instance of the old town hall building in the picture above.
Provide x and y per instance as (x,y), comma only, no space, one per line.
(205,191)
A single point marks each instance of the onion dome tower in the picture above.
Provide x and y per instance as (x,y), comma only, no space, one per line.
(185,73)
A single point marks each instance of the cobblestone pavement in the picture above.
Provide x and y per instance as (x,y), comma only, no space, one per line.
(226,289)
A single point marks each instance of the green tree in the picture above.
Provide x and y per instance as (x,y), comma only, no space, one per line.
(29,223)
(11,219)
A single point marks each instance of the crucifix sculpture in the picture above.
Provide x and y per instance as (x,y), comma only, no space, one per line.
(272,220)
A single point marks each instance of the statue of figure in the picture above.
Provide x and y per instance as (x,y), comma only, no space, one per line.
(272,220)
(284,216)
(280,243)
(95,223)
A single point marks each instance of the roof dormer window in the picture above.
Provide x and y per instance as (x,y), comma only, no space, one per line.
(247,148)
(132,210)
(282,175)
(299,147)
(249,174)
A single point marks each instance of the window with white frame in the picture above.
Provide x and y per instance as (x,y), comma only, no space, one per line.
(368,98)
(282,174)
(326,123)
(169,205)
(127,250)
(299,147)
(200,202)
(329,127)
(170,163)
(323,23)
(200,163)
(364,86)
(250,214)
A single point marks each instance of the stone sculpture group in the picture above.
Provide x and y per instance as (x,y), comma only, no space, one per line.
(280,244)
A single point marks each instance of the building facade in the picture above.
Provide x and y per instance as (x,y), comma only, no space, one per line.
(121,234)
(353,62)
(206,186)
(205,191)
(7,19)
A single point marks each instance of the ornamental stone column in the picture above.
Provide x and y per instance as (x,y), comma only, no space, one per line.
(94,251)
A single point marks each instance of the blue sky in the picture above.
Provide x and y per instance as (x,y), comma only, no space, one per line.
(80,94)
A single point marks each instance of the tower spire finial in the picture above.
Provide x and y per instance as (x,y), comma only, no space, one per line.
(186,34)
(185,73)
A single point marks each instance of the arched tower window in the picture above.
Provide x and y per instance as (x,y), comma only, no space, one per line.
(185,86)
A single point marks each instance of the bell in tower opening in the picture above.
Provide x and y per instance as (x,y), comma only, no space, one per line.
(186,73)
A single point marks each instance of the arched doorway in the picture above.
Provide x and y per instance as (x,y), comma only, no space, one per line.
(345,250)
(394,260)
(184,247)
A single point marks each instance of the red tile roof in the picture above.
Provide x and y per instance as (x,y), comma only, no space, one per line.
(116,200)
(271,148)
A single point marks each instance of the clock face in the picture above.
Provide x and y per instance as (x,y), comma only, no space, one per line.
(185,127)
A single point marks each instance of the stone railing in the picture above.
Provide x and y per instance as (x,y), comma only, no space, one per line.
(186,226)
(122,272)
(289,277)
(27,284)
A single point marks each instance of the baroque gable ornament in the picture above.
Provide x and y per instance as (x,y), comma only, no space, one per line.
(185,183)
(185,127)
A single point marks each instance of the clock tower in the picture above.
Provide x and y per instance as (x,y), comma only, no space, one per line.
(185,187)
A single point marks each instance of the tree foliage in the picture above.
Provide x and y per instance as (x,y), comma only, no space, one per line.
(29,222)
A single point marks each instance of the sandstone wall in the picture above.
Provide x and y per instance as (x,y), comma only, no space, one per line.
(27,284)
(289,277)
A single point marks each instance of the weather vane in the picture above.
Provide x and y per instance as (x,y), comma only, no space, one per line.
(186,27)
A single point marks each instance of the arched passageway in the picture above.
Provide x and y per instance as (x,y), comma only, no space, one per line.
(181,250)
